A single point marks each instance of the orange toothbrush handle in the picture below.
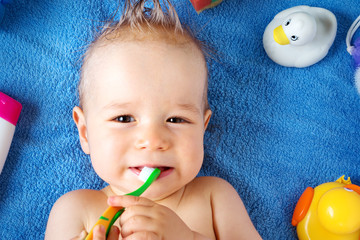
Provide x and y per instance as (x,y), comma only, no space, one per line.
(104,220)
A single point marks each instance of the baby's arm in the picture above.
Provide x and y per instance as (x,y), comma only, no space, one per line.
(99,233)
(231,219)
(64,220)
(72,213)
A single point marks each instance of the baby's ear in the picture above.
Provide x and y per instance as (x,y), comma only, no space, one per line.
(79,119)
(207,116)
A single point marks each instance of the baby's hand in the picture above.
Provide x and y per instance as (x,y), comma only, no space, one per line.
(81,236)
(99,233)
(145,219)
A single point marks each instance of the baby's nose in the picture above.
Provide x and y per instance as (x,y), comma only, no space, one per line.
(153,138)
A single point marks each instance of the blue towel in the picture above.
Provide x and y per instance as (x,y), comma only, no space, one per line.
(274,131)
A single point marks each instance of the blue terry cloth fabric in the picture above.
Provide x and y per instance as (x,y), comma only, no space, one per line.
(274,131)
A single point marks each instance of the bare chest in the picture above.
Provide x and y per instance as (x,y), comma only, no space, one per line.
(194,209)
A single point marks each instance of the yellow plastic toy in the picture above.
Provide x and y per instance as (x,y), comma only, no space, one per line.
(300,36)
(331,211)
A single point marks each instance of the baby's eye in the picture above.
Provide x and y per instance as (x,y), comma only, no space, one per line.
(124,119)
(176,120)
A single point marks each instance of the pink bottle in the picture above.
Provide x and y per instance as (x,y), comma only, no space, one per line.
(9,114)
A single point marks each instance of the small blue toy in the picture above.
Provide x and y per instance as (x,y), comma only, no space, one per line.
(354,50)
(2,8)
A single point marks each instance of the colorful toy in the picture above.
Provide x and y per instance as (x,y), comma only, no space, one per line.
(2,8)
(9,114)
(331,211)
(300,36)
(111,214)
(354,50)
(201,5)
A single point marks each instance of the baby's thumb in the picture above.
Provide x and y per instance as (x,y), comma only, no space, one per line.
(82,236)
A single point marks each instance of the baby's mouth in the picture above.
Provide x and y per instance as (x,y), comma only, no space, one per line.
(164,170)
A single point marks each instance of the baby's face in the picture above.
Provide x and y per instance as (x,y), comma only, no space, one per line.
(146,108)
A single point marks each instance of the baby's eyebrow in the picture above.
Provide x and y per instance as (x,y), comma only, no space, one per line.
(189,107)
(116,105)
(183,106)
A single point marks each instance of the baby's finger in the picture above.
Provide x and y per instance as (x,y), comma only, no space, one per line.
(136,224)
(126,201)
(99,233)
(142,236)
(114,233)
(138,210)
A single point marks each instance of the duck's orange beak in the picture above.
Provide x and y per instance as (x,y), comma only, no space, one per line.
(353,187)
(280,36)
(302,206)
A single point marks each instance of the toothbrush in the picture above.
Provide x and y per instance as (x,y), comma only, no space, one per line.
(148,176)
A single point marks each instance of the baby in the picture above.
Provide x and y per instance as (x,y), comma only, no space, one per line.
(143,98)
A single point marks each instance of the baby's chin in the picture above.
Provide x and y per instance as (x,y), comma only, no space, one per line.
(160,195)
(150,193)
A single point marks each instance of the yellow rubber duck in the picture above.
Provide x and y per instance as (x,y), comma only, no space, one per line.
(331,211)
(300,36)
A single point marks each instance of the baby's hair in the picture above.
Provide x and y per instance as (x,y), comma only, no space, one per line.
(139,22)
(138,14)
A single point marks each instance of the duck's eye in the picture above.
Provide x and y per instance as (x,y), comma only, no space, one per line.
(294,38)
(287,22)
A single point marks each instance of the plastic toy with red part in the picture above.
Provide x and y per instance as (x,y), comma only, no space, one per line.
(201,5)
(329,211)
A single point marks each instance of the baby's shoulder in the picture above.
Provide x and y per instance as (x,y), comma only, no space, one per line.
(78,202)
(80,197)
(210,182)
(211,185)
(76,207)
